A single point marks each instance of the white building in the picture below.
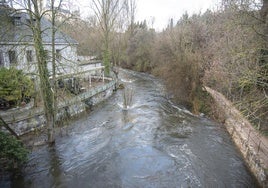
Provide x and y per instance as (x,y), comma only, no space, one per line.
(17,47)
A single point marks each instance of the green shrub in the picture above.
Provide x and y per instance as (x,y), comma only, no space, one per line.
(11,150)
(15,85)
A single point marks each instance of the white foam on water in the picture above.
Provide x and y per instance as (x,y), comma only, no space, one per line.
(127,81)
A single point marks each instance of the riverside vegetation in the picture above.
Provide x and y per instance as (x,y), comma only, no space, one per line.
(225,49)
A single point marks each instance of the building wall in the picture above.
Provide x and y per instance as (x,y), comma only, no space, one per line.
(68,60)
(66,64)
(20,55)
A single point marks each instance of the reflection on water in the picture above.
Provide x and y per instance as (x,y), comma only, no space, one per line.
(152,144)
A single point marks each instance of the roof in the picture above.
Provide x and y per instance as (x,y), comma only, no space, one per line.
(20,32)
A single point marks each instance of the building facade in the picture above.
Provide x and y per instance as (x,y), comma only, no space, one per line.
(17,46)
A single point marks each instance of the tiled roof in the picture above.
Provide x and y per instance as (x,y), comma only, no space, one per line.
(10,32)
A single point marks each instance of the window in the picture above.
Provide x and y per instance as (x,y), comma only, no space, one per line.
(29,55)
(1,59)
(58,55)
(17,21)
(12,57)
(31,21)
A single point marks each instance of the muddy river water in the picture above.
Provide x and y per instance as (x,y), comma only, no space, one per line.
(152,143)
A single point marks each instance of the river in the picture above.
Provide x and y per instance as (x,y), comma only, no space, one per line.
(153,143)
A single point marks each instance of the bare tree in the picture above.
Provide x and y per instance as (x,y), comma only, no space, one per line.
(131,13)
(37,10)
(107,13)
(34,11)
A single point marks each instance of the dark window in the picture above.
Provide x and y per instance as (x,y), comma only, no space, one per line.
(17,21)
(29,21)
(1,59)
(12,57)
(58,55)
(29,55)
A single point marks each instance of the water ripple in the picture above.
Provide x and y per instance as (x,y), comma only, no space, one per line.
(153,143)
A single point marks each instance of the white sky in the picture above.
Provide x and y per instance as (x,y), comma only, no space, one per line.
(161,10)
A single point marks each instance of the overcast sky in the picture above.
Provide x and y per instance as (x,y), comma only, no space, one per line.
(162,10)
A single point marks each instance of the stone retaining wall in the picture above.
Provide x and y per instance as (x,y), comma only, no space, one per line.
(23,121)
(252,145)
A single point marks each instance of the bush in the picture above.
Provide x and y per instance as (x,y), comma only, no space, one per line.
(15,86)
(12,151)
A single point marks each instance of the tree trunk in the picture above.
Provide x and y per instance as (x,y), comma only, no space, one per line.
(4,124)
(54,79)
(46,90)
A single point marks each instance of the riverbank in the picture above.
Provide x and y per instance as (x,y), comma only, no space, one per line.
(154,143)
(27,119)
(252,145)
